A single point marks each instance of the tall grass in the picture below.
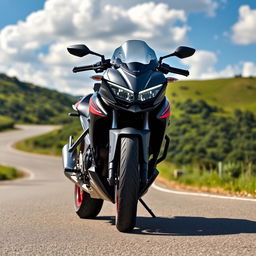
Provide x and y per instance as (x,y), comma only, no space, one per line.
(245,183)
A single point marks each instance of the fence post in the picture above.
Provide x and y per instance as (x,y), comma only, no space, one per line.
(220,169)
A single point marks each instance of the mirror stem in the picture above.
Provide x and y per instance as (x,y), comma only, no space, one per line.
(166,56)
(97,54)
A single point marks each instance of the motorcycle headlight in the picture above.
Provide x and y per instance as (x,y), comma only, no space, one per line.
(121,92)
(149,93)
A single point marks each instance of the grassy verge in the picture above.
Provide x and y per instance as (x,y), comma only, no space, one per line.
(6,123)
(9,173)
(52,142)
(40,144)
(244,185)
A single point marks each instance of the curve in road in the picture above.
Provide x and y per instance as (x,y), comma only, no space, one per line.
(37,216)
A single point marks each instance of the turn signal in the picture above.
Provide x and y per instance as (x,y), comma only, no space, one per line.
(96,78)
(171,79)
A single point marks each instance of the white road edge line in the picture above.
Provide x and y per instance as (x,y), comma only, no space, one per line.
(201,194)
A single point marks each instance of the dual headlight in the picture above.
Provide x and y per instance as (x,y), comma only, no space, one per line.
(129,95)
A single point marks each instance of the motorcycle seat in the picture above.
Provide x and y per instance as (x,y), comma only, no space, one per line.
(82,106)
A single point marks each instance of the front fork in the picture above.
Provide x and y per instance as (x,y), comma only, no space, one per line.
(115,135)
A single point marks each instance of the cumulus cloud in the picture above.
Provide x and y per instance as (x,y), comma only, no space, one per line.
(249,69)
(207,6)
(35,49)
(243,32)
(202,65)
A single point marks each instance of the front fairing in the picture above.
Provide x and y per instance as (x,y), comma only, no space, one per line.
(136,83)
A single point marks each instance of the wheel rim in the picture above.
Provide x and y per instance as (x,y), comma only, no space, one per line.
(79,195)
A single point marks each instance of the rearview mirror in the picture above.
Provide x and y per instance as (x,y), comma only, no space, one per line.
(184,52)
(181,52)
(79,50)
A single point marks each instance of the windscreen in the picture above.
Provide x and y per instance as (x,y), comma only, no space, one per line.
(134,51)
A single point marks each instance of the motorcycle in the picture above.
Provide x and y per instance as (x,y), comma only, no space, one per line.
(124,126)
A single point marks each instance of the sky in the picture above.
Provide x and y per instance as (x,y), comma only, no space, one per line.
(34,36)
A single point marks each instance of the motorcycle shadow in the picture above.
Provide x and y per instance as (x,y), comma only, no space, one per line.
(189,226)
(193,226)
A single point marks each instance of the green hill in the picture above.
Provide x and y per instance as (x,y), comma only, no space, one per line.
(28,103)
(228,94)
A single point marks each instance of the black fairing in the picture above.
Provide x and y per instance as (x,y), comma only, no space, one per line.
(83,105)
(136,68)
(136,83)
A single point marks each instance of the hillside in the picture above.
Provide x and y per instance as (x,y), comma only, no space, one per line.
(28,103)
(228,94)
(199,109)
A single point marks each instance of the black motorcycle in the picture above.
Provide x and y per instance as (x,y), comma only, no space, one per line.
(124,123)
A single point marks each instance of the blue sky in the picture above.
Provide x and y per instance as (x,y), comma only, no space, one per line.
(34,35)
(208,33)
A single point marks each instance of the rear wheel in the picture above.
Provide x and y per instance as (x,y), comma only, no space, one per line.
(127,189)
(85,206)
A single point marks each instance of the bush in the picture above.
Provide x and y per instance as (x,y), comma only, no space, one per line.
(8,173)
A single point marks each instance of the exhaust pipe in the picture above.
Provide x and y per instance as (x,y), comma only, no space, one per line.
(96,189)
(69,164)
(69,159)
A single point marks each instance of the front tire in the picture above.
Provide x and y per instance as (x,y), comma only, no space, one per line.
(85,206)
(127,190)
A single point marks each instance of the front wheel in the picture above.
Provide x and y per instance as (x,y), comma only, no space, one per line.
(127,190)
(85,206)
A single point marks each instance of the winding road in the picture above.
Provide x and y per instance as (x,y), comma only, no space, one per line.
(37,216)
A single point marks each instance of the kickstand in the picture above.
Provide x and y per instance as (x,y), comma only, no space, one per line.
(147,208)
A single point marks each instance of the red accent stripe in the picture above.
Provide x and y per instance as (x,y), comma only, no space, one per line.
(94,109)
(166,112)
(77,104)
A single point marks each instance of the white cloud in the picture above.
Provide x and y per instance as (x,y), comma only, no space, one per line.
(202,65)
(207,6)
(249,69)
(244,31)
(35,49)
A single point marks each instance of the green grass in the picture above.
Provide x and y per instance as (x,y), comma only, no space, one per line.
(244,184)
(52,142)
(6,123)
(9,173)
(228,94)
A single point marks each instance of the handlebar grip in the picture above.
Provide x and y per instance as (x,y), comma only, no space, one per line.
(83,68)
(179,71)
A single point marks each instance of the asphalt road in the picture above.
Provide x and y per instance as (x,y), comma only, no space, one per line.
(37,216)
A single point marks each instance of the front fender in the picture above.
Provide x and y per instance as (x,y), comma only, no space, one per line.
(115,136)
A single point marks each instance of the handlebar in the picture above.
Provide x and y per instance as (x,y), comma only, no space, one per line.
(101,66)
(97,67)
(179,71)
(82,68)
(165,68)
